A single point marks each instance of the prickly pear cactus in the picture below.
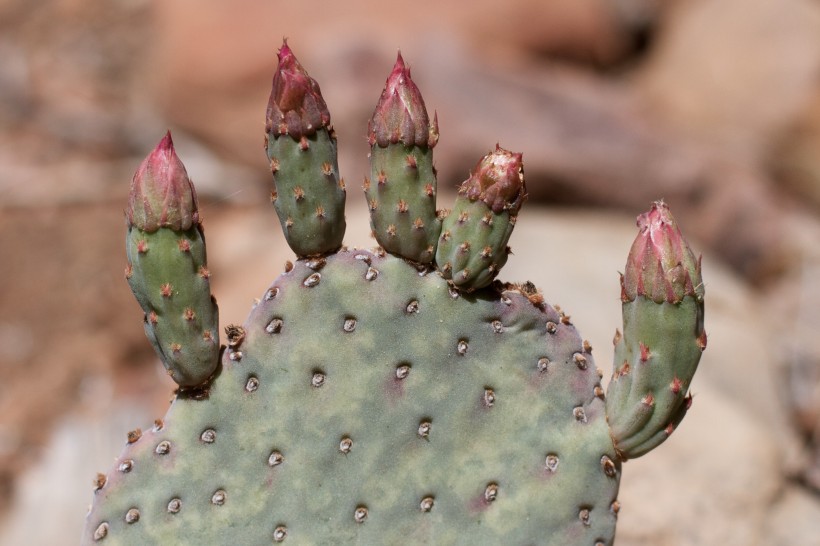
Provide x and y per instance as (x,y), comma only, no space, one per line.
(395,396)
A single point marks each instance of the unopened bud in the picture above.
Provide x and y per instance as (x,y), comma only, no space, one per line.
(400,115)
(498,181)
(661,266)
(161,193)
(296,107)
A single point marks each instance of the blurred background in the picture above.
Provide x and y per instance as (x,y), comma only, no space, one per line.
(713,105)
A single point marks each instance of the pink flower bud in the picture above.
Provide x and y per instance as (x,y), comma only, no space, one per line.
(661,266)
(161,193)
(400,115)
(498,180)
(296,107)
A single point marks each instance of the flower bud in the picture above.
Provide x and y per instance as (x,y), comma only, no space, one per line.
(661,266)
(161,193)
(498,181)
(400,115)
(296,107)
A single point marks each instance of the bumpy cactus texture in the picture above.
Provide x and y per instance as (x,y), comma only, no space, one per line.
(400,395)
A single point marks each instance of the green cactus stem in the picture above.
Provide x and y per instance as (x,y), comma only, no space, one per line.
(401,189)
(472,247)
(167,268)
(663,336)
(308,195)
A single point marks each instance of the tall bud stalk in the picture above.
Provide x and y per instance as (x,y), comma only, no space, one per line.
(308,194)
(167,268)
(663,336)
(401,189)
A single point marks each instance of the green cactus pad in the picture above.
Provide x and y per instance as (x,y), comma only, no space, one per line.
(365,403)
(655,360)
(309,196)
(401,195)
(168,275)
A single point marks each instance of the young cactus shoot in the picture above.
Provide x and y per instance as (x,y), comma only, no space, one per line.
(167,268)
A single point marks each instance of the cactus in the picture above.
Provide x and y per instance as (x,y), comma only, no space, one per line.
(167,270)
(394,396)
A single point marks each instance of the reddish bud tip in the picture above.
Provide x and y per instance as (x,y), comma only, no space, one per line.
(161,193)
(661,266)
(400,114)
(498,180)
(296,107)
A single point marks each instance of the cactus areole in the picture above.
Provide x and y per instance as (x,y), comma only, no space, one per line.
(396,396)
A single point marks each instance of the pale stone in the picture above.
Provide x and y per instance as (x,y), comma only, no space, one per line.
(712,482)
(794,520)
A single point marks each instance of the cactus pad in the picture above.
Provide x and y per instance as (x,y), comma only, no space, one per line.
(394,396)
(363,385)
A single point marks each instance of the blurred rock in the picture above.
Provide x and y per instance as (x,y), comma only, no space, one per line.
(591,142)
(583,31)
(794,520)
(228,75)
(734,73)
(713,482)
(60,483)
(65,312)
(795,301)
(795,159)
(69,76)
